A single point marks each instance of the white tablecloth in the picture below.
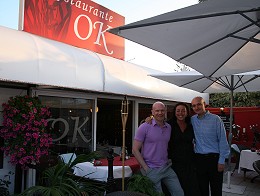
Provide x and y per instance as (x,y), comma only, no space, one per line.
(99,173)
(246,159)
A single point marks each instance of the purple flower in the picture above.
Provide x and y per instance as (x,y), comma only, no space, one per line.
(25,119)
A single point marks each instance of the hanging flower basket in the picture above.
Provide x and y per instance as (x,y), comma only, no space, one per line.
(24,130)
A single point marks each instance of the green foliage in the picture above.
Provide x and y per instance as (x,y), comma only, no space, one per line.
(141,184)
(24,130)
(4,184)
(248,99)
(60,181)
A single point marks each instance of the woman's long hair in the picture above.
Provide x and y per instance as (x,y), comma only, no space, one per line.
(174,118)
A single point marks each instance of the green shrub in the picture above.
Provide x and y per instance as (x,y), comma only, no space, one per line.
(60,181)
(141,184)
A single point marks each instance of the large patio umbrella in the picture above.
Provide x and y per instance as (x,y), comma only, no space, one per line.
(216,37)
(243,82)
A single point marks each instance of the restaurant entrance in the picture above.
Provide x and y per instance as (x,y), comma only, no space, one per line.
(109,124)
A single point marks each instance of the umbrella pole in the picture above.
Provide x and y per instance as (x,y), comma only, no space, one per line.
(230,135)
(231,188)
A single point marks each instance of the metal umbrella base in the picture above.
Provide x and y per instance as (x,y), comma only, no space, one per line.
(233,189)
(230,188)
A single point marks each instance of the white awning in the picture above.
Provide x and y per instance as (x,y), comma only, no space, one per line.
(28,58)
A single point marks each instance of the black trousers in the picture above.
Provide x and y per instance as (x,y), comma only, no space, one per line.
(208,175)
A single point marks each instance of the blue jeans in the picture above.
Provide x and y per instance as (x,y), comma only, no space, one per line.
(166,175)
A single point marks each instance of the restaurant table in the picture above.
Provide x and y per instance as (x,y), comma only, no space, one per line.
(247,157)
(100,172)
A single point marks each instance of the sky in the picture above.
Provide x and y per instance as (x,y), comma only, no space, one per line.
(132,10)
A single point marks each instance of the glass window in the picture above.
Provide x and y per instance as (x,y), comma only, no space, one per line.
(70,123)
(144,111)
(109,124)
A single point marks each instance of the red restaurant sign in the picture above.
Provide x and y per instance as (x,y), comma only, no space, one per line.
(79,23)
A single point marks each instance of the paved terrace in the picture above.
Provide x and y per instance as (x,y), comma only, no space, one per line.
(238,180)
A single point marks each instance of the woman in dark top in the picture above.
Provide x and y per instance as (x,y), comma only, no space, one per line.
(181,149)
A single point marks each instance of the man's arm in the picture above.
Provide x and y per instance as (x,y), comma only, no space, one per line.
(136,151)
(223,145)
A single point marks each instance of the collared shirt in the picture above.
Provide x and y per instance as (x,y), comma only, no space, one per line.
(210,136)
(155,143)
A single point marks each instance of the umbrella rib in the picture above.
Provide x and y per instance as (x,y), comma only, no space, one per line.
(183,85)
(227,84)
(191,82)
(254,23)
(250,39)
(239,81)
(232,35)
(180,20)
(209,78)
(221,82)
(248,18)
(216,41)
(243,83)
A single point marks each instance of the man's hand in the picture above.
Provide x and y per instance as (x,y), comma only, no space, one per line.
(221,167)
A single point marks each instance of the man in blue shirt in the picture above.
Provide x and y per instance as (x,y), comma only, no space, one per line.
(211,148)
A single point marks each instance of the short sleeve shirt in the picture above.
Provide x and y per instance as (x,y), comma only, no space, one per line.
(155,143)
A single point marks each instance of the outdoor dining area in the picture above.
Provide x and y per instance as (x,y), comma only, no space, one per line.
(240,184)
(106,170)
(225,59)
(249,161)
(109,170)
(98,172)
(99,169)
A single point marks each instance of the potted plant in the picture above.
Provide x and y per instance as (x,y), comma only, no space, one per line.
(141,184)
(4,184)
(24,130)
(59,180)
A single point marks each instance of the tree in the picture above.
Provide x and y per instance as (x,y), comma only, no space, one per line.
(181,67)
(240,99)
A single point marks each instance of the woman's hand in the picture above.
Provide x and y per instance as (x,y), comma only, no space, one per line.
(149,119)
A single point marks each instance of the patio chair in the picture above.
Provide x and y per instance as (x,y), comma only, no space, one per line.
(67,157)
(236,149)
(256,166)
